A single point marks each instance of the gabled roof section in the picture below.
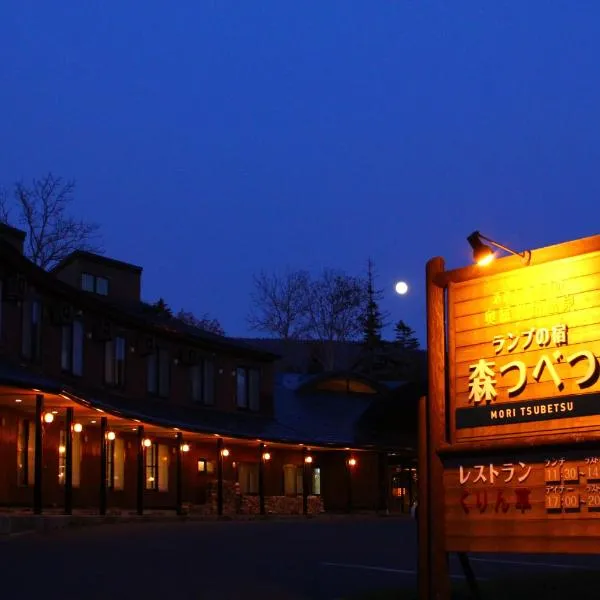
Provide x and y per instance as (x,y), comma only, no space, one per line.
(147,312)
(317,383)
(345,420)
(10,230)
(95,258)
(135,315)
(336,421)
(387,362)
(302,356)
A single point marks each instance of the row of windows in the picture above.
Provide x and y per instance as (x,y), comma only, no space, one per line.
(293,479)
(156,466)
(156,461)
(158,364)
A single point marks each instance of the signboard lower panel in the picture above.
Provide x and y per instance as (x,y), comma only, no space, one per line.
(525,503)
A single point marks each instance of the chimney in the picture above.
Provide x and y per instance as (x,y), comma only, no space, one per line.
(15,237)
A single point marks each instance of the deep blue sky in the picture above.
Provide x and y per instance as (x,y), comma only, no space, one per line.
(213,138)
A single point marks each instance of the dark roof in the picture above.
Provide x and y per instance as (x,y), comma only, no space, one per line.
(131,314)
(393,418)
(310,384)
(10,230)
(321,418)
(200,420)
(20,377)
(346,419)
(158,412)
(97,258)
(153,317)
(311,356)
(335,420)
(302,356)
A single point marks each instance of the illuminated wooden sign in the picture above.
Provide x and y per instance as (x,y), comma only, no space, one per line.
(509,457)
(524,348)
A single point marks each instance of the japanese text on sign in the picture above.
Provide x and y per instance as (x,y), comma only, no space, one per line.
(483,373)
(542,335)
(493,473)
(565,490)
(500,503)
(533,302)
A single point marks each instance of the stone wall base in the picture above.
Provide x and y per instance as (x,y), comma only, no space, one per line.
(237,504)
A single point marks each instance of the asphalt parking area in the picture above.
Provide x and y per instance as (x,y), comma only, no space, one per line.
(284,560)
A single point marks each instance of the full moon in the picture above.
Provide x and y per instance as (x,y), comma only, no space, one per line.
(401,288)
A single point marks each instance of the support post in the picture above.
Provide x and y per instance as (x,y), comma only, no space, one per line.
(38,455)
(411,491)
(140,470)
(69,462)
(436,425)
(261,478)
(103,464)
(469,575)
(305,481)
(422,511)
(179,481)
(349,482)
(220,476)
(383,482)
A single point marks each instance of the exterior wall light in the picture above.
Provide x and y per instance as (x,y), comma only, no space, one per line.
(147,442)
(266,456)
(77,427)
(48,417)
(225,452)
(308,459)
(483,254)
(352,462)
(185,447)
(110,436)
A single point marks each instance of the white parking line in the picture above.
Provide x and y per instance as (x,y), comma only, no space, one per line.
(383,569)
(524,563)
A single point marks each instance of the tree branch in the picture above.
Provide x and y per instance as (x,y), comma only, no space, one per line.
(51,233)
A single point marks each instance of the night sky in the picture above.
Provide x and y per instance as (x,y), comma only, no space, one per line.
(214,138)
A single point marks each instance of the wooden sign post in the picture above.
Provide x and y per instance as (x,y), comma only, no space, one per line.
(511,461)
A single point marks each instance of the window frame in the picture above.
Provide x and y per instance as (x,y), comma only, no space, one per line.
(315,470)
(31,329)
(76,458)
(298,473)
(26,453)
(202,391)
(163,467)
(250,485)
(94,279)
(97,279)
(112,466)
(248,373)
(161,372)
(71,331)
(196,373)
(151,467)
(118,366)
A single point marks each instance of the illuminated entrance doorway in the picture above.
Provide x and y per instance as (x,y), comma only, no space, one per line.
(402,488)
